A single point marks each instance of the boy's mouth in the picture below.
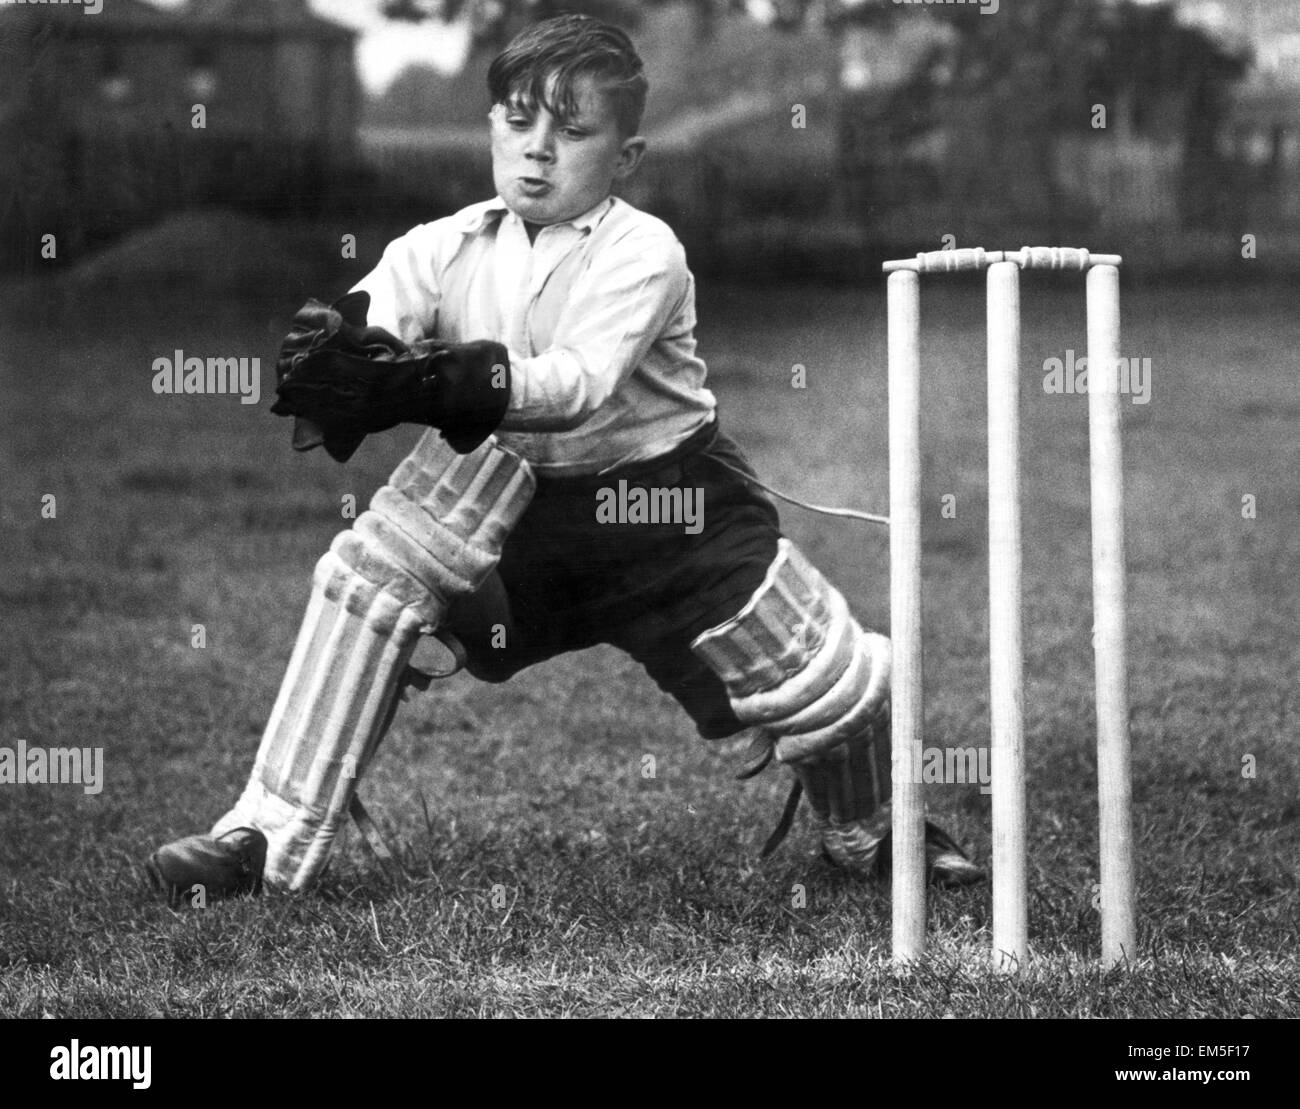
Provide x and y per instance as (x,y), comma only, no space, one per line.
(534,186)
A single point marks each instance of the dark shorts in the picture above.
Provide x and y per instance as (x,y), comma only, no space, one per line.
(567,581)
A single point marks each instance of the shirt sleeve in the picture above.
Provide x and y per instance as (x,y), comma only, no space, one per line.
(618,309)
(403,287)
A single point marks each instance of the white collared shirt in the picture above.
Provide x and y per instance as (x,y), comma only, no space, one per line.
(598,315)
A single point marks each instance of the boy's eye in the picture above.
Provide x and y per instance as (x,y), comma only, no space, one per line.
(575,132)
(519,123)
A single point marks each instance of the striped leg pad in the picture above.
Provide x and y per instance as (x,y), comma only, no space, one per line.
(379,587)
(848,791)
(796,663)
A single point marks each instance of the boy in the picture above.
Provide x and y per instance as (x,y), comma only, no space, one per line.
(548,335)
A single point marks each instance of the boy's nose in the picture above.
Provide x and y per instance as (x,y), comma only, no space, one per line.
(541,144)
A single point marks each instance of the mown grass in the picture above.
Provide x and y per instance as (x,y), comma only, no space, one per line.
(545,874)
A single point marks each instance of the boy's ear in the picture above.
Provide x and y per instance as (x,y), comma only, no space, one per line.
(629,157)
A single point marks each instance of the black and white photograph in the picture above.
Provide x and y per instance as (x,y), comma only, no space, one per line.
(688,509)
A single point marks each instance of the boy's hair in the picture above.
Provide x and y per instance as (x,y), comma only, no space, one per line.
(568,48)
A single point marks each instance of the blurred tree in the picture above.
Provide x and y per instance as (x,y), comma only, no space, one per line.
(1002,89)
(1001,81)
(494,22)
(1051,49)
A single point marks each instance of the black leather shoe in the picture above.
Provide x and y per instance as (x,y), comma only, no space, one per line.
(224,866)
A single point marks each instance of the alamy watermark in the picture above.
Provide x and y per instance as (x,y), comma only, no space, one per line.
(89,1062)
(1069,375)
(58,766)
(88,7)
(639,504)
(180,374)
(986,7)
(949,766)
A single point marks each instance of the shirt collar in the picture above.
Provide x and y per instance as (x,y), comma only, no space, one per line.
(474,218)
(592,215)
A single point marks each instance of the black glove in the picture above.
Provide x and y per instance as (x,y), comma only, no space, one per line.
(343,380)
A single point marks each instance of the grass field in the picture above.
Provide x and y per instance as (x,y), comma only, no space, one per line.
(546,875)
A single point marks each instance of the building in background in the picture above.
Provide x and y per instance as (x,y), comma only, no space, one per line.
(100,112)
(1262,134)
(262,69)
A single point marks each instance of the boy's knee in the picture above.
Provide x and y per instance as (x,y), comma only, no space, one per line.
(485,626)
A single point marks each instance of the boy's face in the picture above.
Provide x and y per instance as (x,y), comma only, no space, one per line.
(549,170)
